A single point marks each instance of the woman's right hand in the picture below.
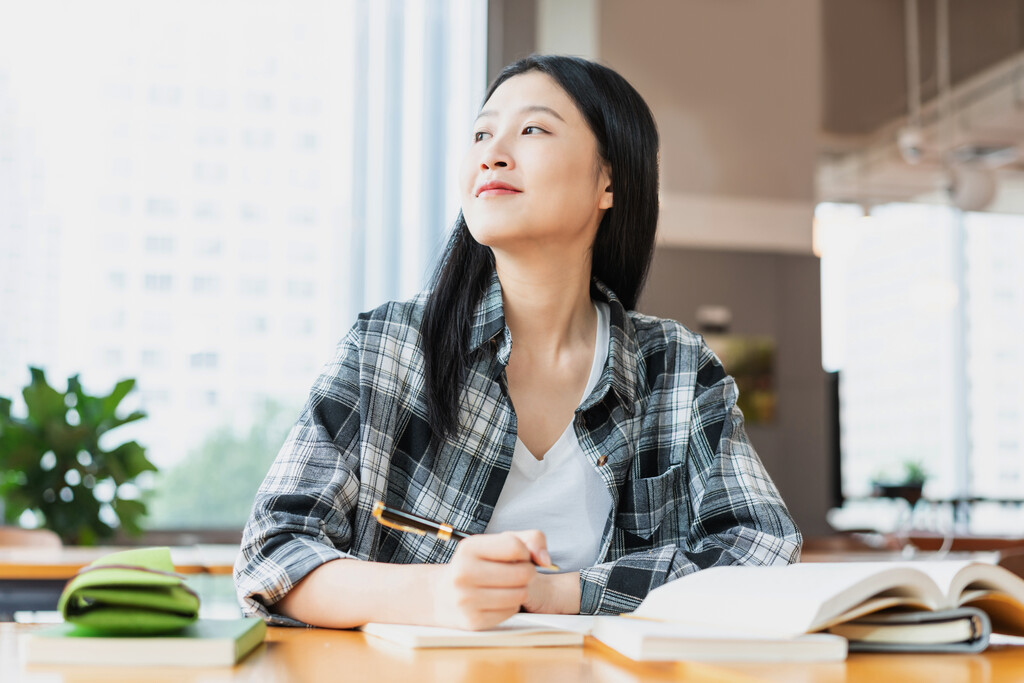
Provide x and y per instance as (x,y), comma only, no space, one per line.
(487,578)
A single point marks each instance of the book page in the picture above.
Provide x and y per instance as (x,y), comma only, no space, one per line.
(986,577)
(946,575)
(1001,639)
(412,631)
(785,601)
(513,632)
(578,623)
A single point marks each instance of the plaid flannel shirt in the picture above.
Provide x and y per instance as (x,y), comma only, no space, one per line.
(661,428)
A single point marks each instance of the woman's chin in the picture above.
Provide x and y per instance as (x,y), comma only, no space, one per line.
(496,236)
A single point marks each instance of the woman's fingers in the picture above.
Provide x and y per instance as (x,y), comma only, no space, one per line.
(489,574)
(537,544)
(492,561)
(511,546)
(488,578)
(504,547)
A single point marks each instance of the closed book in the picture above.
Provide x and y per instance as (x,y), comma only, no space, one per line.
(206,642)
(517,631)
(966,629)
(644,640)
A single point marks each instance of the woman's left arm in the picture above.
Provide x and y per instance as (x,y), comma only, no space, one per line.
(735,512)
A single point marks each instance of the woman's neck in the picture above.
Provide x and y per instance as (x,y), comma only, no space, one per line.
(547,305)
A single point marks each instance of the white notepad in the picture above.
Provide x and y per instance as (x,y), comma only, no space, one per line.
(520,630)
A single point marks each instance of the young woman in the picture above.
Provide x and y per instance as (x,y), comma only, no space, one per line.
(520,400)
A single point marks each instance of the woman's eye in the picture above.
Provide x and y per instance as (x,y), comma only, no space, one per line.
(535,129)
(479,135)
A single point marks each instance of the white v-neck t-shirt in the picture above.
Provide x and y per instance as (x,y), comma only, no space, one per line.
(562,494)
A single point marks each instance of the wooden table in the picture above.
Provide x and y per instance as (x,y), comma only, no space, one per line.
(319,656)
(32,578)
(63,563)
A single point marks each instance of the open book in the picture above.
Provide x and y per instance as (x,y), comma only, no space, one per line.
(787,601)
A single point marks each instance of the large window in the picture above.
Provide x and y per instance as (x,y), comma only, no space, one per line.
(923,316)
(203,195)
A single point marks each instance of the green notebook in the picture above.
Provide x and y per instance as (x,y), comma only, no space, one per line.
(131,592)
(207,642)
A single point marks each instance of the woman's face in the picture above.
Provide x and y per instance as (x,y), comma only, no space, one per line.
(532,175)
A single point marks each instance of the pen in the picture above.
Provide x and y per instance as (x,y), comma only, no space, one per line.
(414,524)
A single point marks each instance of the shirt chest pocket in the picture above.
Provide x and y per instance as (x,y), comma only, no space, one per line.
(646,503)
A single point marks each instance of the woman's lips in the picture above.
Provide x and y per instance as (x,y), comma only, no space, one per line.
(495,188)
(495,191)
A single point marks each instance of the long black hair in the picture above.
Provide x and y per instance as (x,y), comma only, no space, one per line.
(627,139)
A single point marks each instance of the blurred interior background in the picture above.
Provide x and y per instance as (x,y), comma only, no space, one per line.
(203,195)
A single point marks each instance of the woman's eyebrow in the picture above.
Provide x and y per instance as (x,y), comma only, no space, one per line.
(526,109)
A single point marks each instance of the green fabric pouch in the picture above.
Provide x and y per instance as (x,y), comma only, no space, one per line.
(130,592)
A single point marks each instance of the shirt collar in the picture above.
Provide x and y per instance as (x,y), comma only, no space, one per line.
(628,370)
(489,319)
(625,369)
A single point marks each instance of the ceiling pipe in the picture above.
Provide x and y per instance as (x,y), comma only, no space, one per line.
(971,187)
(947,127)
(910,138)
(913,63)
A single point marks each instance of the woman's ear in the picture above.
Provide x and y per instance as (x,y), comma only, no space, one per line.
(606,197)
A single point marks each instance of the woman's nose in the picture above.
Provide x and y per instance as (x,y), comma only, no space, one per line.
(496,156)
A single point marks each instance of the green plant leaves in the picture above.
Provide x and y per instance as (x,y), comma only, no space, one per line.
(110,403)
(40,467)
(44,402)
(130,459)
(129,512)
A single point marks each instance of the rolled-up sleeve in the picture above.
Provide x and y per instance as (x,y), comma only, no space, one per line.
(302,515)
(735,512)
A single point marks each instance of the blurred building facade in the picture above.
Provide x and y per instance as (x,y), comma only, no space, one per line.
(204,196)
